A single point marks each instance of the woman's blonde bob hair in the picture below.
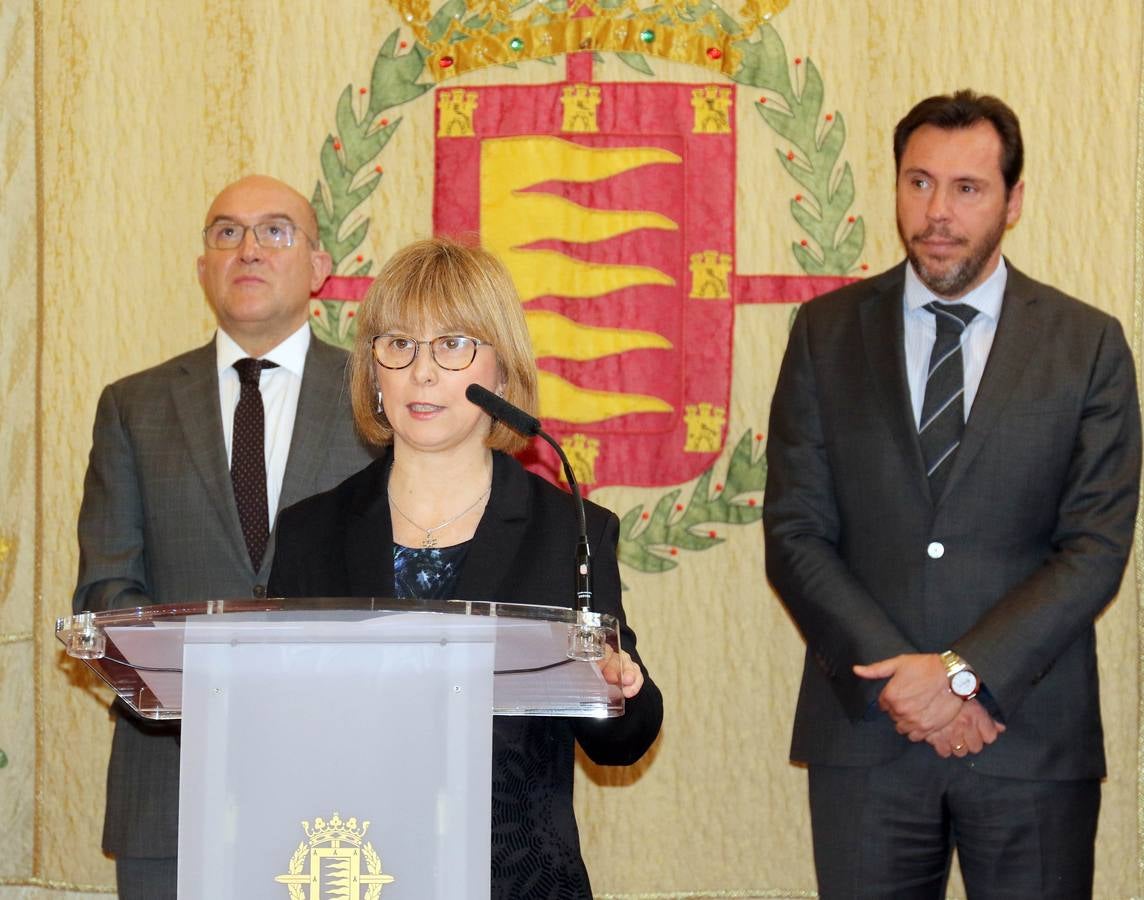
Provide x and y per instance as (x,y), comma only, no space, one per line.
(442,284)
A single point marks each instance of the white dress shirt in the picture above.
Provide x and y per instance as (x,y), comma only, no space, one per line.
(279,387)
(976,340)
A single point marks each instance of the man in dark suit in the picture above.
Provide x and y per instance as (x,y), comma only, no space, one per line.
(950,502)
(160,522)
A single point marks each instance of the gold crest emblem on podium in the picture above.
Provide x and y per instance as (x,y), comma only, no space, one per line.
(329,863)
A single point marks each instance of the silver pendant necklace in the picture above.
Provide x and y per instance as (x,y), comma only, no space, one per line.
(430,539)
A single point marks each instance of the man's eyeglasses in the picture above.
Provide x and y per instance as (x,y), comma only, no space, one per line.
(450,351)
(277,234)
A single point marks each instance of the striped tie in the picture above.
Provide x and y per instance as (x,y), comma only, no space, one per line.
(943,410)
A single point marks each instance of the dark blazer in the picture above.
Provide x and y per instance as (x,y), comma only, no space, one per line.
(340,544)
(159,525)
(1009,567)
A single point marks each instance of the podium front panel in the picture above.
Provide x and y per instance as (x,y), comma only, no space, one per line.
(331,766)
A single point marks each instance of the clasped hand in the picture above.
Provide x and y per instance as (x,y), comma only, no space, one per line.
(918,700)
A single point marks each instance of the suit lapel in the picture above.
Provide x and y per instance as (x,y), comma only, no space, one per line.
(323,380)
(1018,334)
(195,397)
(883,339)
(369,535)
(500,533)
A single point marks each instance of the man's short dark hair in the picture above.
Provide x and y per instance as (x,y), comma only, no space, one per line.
(964,110)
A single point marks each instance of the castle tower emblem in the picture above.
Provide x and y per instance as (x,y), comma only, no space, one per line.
(580,102)
(704,427)
(456,108)
(710,275)
(712,106)
(582,452)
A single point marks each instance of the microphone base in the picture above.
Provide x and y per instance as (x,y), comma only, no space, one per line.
(587,638)
(84,640)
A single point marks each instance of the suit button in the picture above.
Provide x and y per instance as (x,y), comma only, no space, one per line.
(259,591)
(936,550)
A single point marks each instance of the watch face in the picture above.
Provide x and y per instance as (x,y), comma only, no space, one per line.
(964,683)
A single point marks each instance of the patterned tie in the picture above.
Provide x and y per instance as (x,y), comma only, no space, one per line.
(248,459)
(943,409)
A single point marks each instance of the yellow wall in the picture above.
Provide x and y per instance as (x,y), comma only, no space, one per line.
(121,119)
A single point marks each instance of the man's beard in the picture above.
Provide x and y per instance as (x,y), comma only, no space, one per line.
(957,278)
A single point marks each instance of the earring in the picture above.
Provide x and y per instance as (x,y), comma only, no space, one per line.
(379,407)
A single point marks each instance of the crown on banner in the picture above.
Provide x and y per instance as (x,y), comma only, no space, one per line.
(463,35)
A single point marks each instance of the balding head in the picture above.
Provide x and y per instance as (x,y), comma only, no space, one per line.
(261,295)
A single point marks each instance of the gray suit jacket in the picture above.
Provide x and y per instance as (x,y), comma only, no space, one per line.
(159,525)
(1009,567)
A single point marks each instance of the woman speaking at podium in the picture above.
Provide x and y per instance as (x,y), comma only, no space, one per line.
(446,512)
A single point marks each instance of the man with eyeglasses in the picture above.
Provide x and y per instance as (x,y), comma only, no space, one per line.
(170,511)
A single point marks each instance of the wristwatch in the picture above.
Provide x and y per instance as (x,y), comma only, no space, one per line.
(963,681)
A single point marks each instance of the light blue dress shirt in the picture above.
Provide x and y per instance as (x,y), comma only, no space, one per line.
(976,340)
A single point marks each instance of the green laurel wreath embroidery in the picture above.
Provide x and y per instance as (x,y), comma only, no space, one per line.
(832,247)
(347,179)
(735,501)
(835,238)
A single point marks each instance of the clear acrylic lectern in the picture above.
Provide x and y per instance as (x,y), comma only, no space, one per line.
(342,747)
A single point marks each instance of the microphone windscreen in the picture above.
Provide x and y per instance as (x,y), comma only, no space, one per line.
(499,408)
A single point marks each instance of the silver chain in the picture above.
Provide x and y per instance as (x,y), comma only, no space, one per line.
(430,539)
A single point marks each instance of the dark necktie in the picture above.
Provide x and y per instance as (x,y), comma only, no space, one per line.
(943,409)
(248,459)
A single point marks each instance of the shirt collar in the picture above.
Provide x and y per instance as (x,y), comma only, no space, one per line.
(290,354)
(985,298)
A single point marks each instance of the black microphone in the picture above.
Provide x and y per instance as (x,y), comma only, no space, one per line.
(499,408)
(520,421)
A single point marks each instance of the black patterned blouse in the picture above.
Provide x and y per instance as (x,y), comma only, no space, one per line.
(427,573)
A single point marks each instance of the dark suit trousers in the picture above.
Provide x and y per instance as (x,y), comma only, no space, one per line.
(888,831)
(147,879)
